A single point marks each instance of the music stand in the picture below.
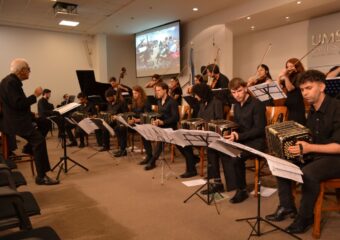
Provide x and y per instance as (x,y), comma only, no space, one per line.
(267,91)
(333,87)
(278,167)
(60,118)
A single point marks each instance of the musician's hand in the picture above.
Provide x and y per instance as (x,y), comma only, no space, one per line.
(295,150)
(283,73)
(232,137)
(38,91)
(113,117)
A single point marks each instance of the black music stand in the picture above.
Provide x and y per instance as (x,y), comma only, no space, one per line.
(256,226)
(333,87)
(267,91)
(62,164)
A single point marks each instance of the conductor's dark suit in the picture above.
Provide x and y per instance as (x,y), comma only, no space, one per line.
(16,119)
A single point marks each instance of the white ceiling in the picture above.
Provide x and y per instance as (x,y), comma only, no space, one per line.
(130,16)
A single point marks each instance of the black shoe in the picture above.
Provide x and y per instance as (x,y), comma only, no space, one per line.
(72,144)
(104,149)
(121,154)
(149,166)
(46,180)
(81,145)
(239,196)
(188,174)
(143,162)
(281,213)
(300,225)
(216,187)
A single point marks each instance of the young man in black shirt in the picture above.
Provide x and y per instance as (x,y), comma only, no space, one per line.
(250,115)
(324,153)
(168,109)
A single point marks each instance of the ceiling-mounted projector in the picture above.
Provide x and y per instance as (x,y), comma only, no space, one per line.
(63,8)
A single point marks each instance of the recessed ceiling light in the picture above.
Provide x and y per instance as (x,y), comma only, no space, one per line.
(68,23)
(195,9)
(298,2)
(248,18)
(252,27)
(287,18)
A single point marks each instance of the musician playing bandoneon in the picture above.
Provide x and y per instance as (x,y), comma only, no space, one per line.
(323,161)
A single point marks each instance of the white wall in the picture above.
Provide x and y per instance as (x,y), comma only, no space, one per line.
(53,57)
(287,42)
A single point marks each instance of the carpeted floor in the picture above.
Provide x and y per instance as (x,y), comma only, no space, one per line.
(117,199)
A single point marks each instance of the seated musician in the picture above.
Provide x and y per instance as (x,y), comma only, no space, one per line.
(220,81)
(323,161)
(250,115)
(175,90)
(139,105)
(87,108)
(115,105)
(168,109)
(194,105)
(45,109)
(210,109)
(116,85)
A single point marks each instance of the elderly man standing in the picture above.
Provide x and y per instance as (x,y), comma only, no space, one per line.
(16,116)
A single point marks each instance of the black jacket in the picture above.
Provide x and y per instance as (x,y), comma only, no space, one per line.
(16,107)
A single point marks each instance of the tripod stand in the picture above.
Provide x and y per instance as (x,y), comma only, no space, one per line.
(256,228)
(164,163)
(62,164)
(209,186)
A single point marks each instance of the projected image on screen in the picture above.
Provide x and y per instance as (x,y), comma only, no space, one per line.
(158,50)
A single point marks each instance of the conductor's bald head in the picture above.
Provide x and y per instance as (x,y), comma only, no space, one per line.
(20,67)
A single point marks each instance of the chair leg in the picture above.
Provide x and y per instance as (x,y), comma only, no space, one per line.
(317,213)
(172,153)
(201,161)
(256,177)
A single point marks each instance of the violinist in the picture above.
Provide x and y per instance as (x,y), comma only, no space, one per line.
(294,102)
(220,81)
(175,90)
(262,76)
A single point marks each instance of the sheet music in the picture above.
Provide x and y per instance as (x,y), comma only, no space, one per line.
(122,121)
(198,138)
(87,125)
(66,108)
(279,167)
(219,146)
(102,124)
(265,91)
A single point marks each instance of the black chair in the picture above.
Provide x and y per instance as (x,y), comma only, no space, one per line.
(42,233)
(10,178)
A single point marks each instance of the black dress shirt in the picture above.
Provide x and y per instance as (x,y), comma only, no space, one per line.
(169,112)
(177,91)
(224,95)
(139,110)
(212,110)
(325,122)
(16,107)
(117,107)
(251,118)
(88,108)
(45,109)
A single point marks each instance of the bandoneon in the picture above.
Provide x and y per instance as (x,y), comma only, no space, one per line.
(106,116)
(222,127)
(127,115)
(282,135)
(149,117)
(78,116)
(193,124)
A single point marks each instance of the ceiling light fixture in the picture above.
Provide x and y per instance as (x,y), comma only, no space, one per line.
(248,18)
(252,28)
(298,2)
(195,9)
(287,18)
(68,23)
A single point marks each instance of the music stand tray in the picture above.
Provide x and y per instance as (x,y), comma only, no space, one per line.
(267,91)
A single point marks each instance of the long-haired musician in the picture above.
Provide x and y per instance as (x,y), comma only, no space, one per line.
(140,105)
(294,102)
(210,108)
(324,153)
(175,90)
(262,76)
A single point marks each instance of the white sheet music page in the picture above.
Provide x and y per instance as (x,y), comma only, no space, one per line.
(87,125)
(220,146)
(66,108)
(122,121)
(265,91)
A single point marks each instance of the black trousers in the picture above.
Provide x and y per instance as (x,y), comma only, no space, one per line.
(214,160)
(121,133)
(189,156)
(37,141)
(68,129)
(315,171)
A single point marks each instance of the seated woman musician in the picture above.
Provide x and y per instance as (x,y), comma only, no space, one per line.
(140,105)
(175,90)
